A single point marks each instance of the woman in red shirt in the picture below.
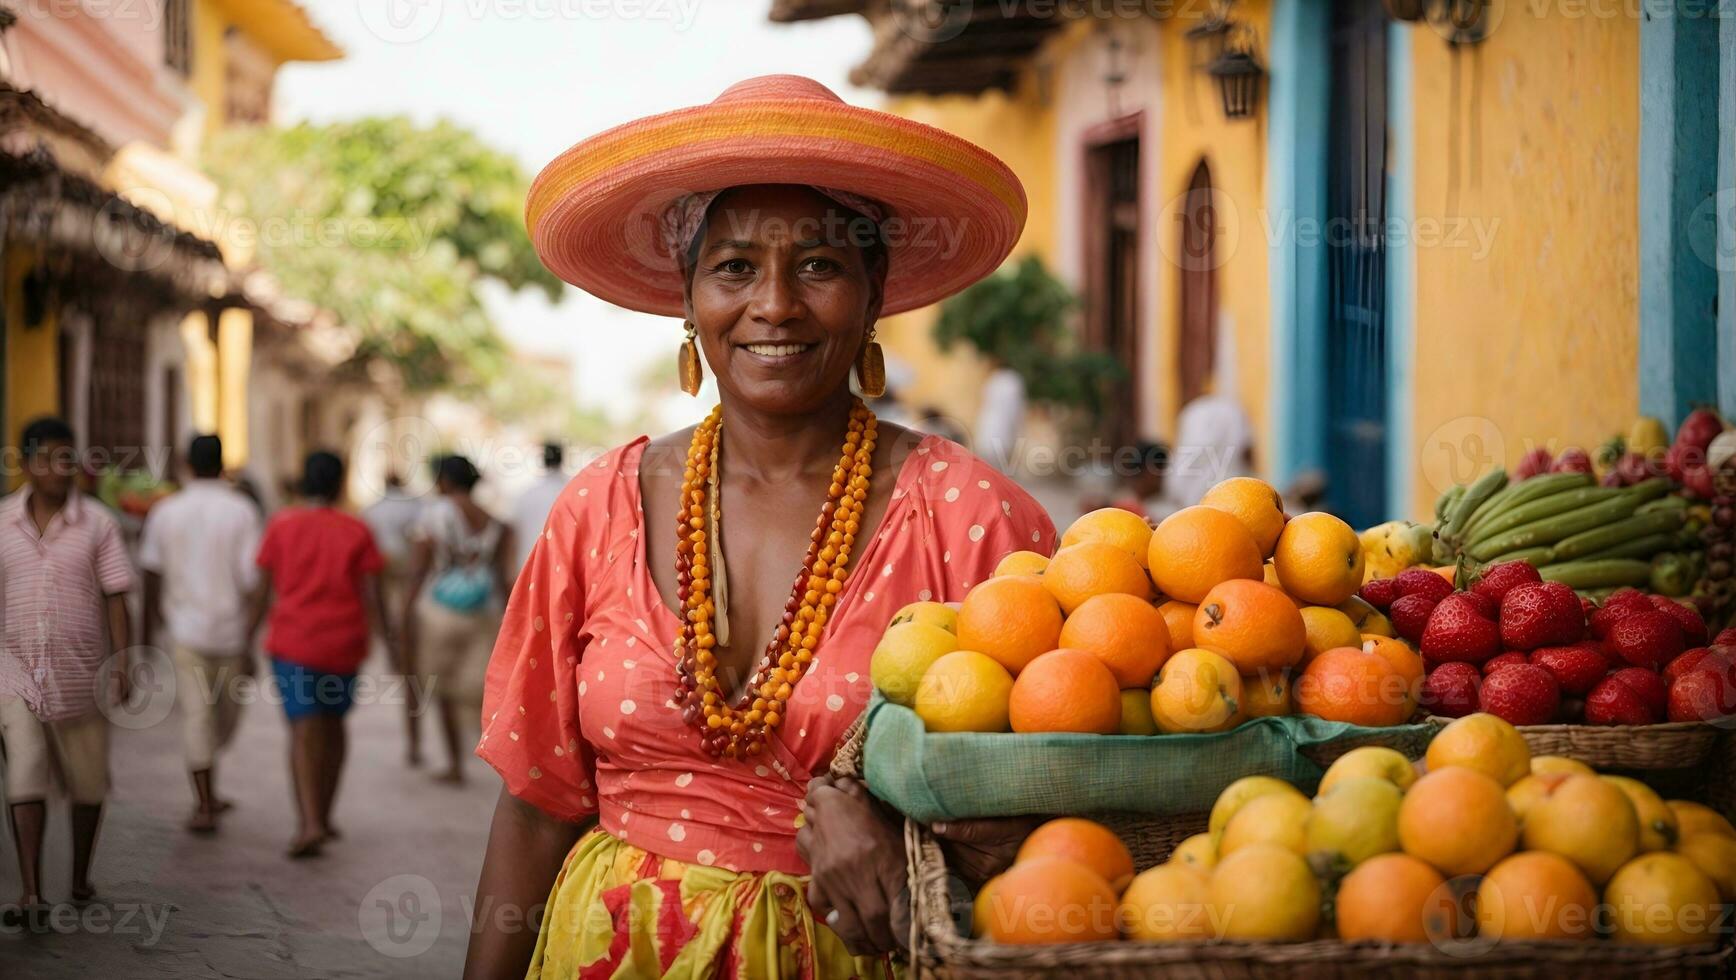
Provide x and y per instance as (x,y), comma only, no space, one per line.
(324,569)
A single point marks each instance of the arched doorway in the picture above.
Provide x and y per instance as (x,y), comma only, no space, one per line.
(1196,338)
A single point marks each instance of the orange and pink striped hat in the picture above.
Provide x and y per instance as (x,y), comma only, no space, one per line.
(600,214)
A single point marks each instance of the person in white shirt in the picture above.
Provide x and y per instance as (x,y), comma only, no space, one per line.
(531,510)
(1001,418)
(197,551)
(393,520)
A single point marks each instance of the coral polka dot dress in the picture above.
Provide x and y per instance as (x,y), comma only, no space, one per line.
(580,720)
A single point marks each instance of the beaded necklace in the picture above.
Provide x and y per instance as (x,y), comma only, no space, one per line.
(741,729)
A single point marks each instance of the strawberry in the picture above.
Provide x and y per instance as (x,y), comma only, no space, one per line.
(1699,429)
(1450,690)
(1615,607)
(1485,605)
(1497,580)
(1648,685)
(1705,693)
(1521,694)
(1502,660)
(1613,702)
(1695,658)
(1577,667)
(1421,581)
(1410,615)
(1572,460)
(1646,639)
(1459,631)
(1587,606)
(1534,463)
(1726,637)
(1693,627)
(1541,614)
(1379,592)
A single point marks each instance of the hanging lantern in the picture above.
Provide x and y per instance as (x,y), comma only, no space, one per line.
(1206,38)
(1239,73)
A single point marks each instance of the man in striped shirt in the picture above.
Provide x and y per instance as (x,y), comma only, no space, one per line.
(66,576)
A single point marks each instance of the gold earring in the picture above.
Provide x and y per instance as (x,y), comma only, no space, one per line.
(692,375)
(871,368)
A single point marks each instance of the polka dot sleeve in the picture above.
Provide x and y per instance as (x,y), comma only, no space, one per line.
(530,707)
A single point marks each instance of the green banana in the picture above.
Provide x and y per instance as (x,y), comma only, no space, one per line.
(1540,509)
(1556,527)
(1521,493)
(1650,490)
(1475,495)
(1536,556)
(1610,535)
(1664,503)
(1643,546)
(1446,500)
(1598,573)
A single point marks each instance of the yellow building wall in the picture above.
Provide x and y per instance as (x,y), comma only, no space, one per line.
(32,354)
(1535,342)
(207,78)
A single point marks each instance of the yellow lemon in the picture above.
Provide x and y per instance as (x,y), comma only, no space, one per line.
(1365,617)
(1199,852)
(1264,891)
(1482,742)
(1586,820)
(1113,526)
(1136,716)
(1660,898)
(1166,903)
(904,654)
(1696,818)
(1659,829)
(933,613)
(1196,691)
(1239,793)
(964,691)
(1374,761)
(1715,856)
(1021,563)
(1354,821)
(1276,818)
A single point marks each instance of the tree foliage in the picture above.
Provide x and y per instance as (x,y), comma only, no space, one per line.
(391,226)
(1021,318)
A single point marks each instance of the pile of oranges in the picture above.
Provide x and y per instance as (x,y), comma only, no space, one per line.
(1477,840)
(1225,612)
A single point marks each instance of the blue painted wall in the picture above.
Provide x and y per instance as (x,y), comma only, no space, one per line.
(1726,212)
(1401,270)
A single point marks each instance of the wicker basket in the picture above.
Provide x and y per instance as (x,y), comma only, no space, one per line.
(1674,745)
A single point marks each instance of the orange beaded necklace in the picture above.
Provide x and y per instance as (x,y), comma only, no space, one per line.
(741,729)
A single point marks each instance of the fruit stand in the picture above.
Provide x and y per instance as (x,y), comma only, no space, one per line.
(1503,743)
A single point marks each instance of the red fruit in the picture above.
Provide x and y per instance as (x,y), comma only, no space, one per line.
(1648,685)
(1541,614)
(1698,481)
(1577,668)
(1587,606)
(1533,463)
(1410,614)
(1705,694)
(1613,702)
(1679,459)
(1521,694)
(1502,660)
(1573,460)
(1691,659)
(1459,631)
(1498,580)
(1421,581)
(1632,468)
(1485,605)
(1699,429)
(1615,608)
(1450,690)
(1726,637)
(1380,592)
(1693,626)
(1646,639)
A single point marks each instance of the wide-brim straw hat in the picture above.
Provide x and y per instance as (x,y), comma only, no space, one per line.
(594,213)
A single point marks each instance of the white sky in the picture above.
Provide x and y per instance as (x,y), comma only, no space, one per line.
(532,77)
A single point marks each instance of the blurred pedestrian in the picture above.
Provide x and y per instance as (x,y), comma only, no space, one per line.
(324,569)
(392,518)
(1214,441)
(461,554)
(1001,416)
(1144,490)
(531,510)
(66,577)
(197,551)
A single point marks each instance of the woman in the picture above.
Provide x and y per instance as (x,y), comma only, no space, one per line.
(449,629)
(664,779)
(324,570)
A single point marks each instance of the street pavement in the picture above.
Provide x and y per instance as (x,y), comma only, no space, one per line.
(389,899)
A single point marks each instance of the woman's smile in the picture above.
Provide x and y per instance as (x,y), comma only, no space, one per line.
(781,354)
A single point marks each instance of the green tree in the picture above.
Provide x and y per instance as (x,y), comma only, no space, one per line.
(392,227)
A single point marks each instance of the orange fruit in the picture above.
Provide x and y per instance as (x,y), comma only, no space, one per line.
(1458,820)
(1406,661)
(1167,903)
(1697,818)
(1126,632)
(1255,504)
(1485,743)
(1011,618)
(1319,558)
(1092,568)
(1021,563)
(964,691)
(1065,691)
(1266,693)
(1269,575)
(1085,841)
(1197,547)
(1397,899)
(1535,895)
(1197,691)
(1049,900)
(1179,615)
(1661,898)
(1254,625)
(1587,820)
(1325,628)
(1352,685)
(1265,891)
(1113,526)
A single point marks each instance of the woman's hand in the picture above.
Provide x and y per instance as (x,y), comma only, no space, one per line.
(855,847)
(980,849)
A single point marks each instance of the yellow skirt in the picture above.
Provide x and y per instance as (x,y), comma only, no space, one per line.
(622,913)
